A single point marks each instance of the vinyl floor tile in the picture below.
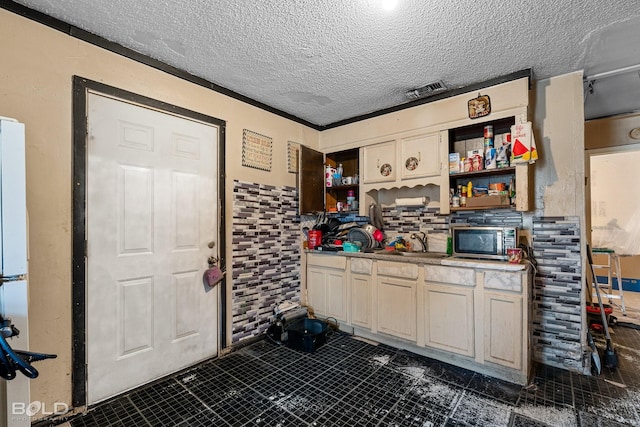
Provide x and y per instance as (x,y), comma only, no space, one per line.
(354,382)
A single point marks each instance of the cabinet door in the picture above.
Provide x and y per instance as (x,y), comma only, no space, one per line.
(326,292)
(316,289)
(379,162)
(396,307)
(361,300)
(449,318)
(311,181)
(335,297)
(503,329)
(420,156)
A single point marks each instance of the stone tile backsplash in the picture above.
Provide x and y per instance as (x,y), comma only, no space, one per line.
(266,264)
(405,220)
(265,255)
(557,317)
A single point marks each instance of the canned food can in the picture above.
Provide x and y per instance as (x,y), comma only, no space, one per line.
(488,131)
(488,142)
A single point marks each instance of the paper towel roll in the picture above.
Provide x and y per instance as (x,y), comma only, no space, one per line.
(411,201)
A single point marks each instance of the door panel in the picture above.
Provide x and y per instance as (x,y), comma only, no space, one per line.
(135,331)
(151,211)
(185,297)
(135,209)
(184,201)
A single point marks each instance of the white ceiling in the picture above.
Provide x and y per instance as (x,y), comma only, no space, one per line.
(328,60)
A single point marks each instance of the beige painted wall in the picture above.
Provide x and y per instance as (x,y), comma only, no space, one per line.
(443,114)
(557,114)
(36,88)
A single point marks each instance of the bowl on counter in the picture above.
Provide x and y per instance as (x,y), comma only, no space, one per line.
(350,247)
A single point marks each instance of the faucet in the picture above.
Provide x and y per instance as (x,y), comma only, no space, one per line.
(421,239)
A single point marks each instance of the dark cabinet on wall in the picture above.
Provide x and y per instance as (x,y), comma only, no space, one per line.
(314,195)
(310,181)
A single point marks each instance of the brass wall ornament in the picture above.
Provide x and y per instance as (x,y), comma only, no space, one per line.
(479,107)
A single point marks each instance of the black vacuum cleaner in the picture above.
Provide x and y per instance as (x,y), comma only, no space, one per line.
(610,359)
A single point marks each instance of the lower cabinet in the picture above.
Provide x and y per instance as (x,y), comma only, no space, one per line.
(468,316)
(396,307)
(449,318)
(326,286)
(503,339)
(361,282)
(361,300)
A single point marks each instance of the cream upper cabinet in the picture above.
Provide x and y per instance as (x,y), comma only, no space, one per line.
(380,162)
(420,156)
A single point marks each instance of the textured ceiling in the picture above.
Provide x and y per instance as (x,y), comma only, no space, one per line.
(328,60)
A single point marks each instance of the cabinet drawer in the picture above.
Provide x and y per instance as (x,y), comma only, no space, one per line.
(503,281)
(361,265)
(397,269)
(330,261)
(453,275)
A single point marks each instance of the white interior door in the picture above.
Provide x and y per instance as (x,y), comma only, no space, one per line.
(151,213)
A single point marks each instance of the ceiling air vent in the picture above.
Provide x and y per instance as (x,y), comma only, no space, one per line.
(428,90)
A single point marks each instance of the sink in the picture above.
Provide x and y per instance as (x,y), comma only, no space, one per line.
(417,254)
(423,254)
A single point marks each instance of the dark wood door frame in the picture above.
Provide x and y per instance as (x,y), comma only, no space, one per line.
(81,87)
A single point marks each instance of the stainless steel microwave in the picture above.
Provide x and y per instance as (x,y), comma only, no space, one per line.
(483,242)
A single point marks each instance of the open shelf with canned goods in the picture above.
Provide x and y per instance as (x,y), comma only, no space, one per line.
(479,154)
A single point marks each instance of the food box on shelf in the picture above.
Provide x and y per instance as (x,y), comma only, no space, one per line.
(488,201)
(454,163)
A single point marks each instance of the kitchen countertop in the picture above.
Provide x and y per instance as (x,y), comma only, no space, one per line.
(429,258)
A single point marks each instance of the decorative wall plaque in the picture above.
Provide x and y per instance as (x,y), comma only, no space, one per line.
(256,150)
(293,150)
(479,107)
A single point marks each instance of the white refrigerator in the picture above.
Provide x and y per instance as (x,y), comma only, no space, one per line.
(13,267)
